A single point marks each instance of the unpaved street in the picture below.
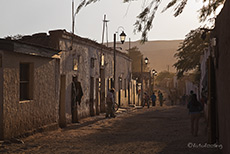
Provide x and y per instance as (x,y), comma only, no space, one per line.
(163,130)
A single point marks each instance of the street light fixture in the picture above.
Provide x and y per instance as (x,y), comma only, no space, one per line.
(146,60)
(122,39)
(154,74)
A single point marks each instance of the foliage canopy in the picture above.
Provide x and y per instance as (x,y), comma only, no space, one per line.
(190,50)
(135,55)
(145,18)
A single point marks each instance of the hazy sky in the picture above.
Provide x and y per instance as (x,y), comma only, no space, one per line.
(32,16)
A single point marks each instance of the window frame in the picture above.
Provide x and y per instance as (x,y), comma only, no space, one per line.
(28,91)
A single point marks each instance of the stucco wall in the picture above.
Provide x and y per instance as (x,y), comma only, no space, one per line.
(22,117)
(84,72)
(222,34)
(123,65)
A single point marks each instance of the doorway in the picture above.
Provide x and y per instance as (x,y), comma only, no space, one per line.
(97,103)
(91,99)
(102,94)
(62,118)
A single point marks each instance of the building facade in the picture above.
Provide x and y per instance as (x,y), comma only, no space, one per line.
(27,102)
(93,65)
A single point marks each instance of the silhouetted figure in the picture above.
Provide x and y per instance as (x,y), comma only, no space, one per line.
(153,98)
(183,99)
(146,99)
(160,96)
(195,108)
(110,104)
(76,98)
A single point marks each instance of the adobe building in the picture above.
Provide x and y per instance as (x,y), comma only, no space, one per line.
(220,78)
(27,102)
(93,65)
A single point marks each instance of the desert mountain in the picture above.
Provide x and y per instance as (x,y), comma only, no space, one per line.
(159,53)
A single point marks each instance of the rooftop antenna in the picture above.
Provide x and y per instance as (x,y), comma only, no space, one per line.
(73,22)
(73,14)
(103,31)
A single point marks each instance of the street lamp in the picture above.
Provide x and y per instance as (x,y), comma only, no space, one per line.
(146,62)
(122,39)
(154,74)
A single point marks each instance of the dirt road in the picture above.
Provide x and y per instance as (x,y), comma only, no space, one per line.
(160,130)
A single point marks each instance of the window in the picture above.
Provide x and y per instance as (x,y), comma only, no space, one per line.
(92,62)
(26,78)
(110,83)
(102,60)
(76,62)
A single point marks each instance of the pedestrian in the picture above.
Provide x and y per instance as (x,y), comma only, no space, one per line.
(195,109)
(146,99)
(110,104)
(160,95)
(153,98)
(77,94)
(183,99)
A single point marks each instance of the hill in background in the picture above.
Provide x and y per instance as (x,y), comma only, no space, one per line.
(159,53)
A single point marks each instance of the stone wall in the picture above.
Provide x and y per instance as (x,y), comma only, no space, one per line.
(222,54)
(21,117)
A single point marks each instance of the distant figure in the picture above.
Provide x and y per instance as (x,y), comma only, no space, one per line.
(153,98)
(190,96)
(195,108)
(77,90)
(171,97)
(146,99)
(160,96)
(76,98)
(110,104)
(183,99)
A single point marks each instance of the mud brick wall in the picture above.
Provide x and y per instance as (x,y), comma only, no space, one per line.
(21,117)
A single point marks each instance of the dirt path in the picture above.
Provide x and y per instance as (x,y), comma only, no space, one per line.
(160,130)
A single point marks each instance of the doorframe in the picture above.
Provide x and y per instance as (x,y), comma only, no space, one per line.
(62,103)
(91,96)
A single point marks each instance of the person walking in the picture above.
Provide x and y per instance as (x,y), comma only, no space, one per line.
(77,94)
(160,95)
(153,98)
(195,108)
(110,104)
(146,99)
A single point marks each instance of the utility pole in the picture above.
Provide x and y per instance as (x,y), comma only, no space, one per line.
(73,15)
(141,81)
(105,26)
(73,22)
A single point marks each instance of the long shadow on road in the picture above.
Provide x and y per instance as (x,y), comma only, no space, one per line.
(160,130)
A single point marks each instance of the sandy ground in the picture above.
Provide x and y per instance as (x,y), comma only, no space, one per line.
(160,130)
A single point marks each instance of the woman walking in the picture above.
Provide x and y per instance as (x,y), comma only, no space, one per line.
(195,109)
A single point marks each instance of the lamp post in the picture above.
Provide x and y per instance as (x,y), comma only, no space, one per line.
(154,72)
(146,62)
(122,39)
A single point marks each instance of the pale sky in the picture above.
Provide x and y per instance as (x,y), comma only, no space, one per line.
(32,16)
